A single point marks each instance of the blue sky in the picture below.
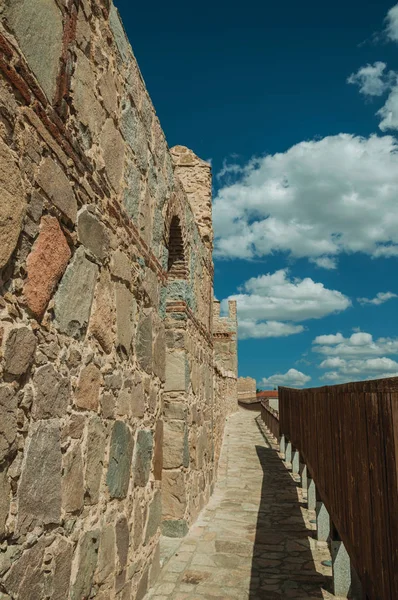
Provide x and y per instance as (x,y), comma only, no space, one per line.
(296,105)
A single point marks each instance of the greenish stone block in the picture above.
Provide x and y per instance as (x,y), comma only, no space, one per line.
(121,452)
(143,457)
(119,34)
(175,529)
(186,449)
(154,517)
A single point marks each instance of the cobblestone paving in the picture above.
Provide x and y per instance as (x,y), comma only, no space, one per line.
(254,540)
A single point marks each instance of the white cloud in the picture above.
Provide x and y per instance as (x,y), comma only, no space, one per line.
(392,24)
(269,305)
(379,299)
(389,112)
(292,378)
(317,200)
(325,262)
(371,79)
(360,344)
(250,328)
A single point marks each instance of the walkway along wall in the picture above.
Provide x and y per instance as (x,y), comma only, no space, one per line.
(110,414)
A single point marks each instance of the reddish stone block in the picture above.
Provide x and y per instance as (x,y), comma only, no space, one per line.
(46,265)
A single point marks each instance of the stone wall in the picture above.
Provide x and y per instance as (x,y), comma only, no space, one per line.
(247,389)
(111,415)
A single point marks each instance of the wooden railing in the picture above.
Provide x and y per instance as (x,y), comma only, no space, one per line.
(347,435)
(270,418)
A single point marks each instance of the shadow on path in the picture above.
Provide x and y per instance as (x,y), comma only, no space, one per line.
(283,564)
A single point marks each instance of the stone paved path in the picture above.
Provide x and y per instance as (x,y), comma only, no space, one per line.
(253,540)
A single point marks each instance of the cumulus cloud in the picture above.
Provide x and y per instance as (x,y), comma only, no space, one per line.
(317,200)
(292,378)
(250,328)
(359,344)
(325,262)
(269,305)
(389,112)
(371,79)
(392,24)
(379,299)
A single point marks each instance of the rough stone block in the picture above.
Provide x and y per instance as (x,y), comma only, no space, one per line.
(126,307)
(61,552)
(143,343)
(57,188)
(87,393)
(106,554)
(158,452)
(39,491)
(74,297)
(103,314)
(13,204)
(52,393)
(108,92)
(25,579)
(72,479)
(122,541)
(134,133)
(154,516)
(95,449)
(89,111)
(175,410)
(92,233)
(142,586)
(39,30)
(132,190)
(176,376)
(8,420)
(20,350)
(45,265)
(175,444)
(119,34)
(159,357)
(174,498)
(4,501)
(175,528)
(143,457)
(113,152)
(87,554)
(121,451)
(121,266)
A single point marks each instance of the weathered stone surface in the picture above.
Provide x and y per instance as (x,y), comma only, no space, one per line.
(121,451)
(75,295)
(158,452)
(38,29)
(72,479)
(173,495)
(87,393)
(13,204)
(122,541)
(4,501)
(106,554)
(132,190)
(175,528)
(89,111)
(52,393)
(137,526)
(87,557)
(137,397)
(61,551)
(8,420)
(134,133)
(92,233)
(175,444)
(45,265)
(102,322)
(26,579)
(108,92)
(121,266)
(108,403)
(154,516)
(143,343)
(39,491)
(95,449)
(175,410)
(20,350)
(113,151)
(119,34)
(57,187)
(159,357)
(143,457)
(142,586)
(176,376)
(126,307)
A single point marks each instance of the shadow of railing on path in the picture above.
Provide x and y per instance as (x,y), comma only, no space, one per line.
(283,565)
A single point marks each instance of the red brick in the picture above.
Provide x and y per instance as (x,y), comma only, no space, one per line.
(45,265)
